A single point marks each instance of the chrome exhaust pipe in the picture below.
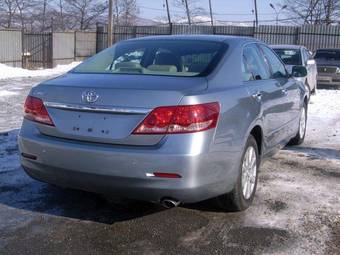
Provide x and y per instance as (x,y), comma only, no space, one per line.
(169,203)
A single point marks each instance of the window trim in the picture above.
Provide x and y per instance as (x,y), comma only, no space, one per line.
(261,59)
(269,66)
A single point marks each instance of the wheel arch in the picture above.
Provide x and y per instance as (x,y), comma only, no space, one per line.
(257,133)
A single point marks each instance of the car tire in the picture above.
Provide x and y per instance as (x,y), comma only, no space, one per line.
(300,136)
(308,90)
(314,91)
(240,198)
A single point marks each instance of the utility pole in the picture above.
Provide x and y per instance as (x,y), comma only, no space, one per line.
(110,24)
(168,11)
(329,10)
(211,14)
(187,9)
(256,16)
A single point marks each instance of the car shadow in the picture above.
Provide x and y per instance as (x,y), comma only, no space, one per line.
(18,190)
(315,152)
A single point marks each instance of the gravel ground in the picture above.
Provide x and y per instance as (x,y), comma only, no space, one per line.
(296,209)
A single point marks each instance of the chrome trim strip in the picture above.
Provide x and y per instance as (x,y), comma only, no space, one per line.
(89,108)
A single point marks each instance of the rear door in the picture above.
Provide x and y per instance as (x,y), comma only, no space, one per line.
(289,103)
(264,92)
(311,68)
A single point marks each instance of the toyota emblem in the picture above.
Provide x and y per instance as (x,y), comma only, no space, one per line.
(89,96)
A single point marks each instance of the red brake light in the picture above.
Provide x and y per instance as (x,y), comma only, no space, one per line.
(180,119)
(35,110)
(166,175)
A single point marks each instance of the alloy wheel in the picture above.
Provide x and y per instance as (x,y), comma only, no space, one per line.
(249,172)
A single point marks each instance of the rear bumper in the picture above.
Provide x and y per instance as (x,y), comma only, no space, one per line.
(122,170)
(329,79)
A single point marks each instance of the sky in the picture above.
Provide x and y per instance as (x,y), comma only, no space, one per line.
(228,10)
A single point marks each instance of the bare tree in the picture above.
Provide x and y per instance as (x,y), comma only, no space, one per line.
(61,15)
(191,9)
(313,11)
(85,12)
(129,11)
(42,15)
(332,11)
(7,12)
(125,12)
(25,12)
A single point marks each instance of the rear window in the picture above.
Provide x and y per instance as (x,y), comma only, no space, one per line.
(328,54)
(156,57)
(290,56)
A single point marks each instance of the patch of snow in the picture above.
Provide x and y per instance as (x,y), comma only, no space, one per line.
(325,104)
(7,72)
(6,93)
(323,126)
(201,20)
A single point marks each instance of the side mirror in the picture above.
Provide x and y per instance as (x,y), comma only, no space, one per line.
(311,62)
(299,71)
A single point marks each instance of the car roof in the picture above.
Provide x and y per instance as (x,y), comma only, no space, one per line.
(330,49)
(286,46)
(213,38)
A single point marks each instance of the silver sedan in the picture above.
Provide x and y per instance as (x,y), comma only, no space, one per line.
(170,119)
(293,55)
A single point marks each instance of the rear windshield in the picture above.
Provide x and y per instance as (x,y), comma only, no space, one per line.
(156,57)
(328,54)
(290,56)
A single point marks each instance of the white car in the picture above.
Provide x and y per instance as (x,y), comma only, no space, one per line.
(293,55)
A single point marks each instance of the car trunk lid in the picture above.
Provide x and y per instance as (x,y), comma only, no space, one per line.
(123,102)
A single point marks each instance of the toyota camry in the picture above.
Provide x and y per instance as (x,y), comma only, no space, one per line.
(166,119)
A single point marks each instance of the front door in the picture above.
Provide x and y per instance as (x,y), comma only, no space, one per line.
(265,94)
(289,105)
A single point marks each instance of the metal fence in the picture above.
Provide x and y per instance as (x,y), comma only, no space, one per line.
(37,50)
(44,50)
(85,44)
(11,47)
(313,37)
(34,50)
(71,46)
(63,48)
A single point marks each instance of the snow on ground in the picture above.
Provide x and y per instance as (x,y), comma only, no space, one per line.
(7,72)
(6,93)
(326,104)
(323,127)
(295,211)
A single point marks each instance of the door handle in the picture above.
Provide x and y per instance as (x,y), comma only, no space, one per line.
(257,96)
(284,91)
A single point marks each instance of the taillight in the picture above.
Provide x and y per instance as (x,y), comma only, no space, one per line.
(180,119)
(35,110)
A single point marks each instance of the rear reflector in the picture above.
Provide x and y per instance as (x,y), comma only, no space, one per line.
(29,156)
(166,175)
(180,119)
(35,110)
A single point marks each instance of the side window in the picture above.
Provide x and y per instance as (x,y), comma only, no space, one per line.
(253,67)
(275,64)
(306,55)
(246,73)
